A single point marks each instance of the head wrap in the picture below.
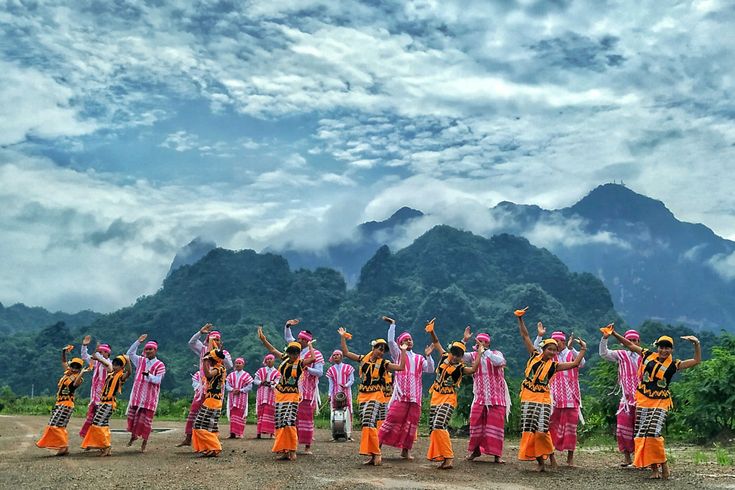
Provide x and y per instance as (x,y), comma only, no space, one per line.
(546,342)
(304,335)
(631,335)
(482,337)
(665,338)
(377,342)
(403,337)
(240,359)
(294,345)
(337,351)
(458,345)
(152,344)
(78,361)
(559,335)
(104,348)
(214,334)
(123,359)
(269,356)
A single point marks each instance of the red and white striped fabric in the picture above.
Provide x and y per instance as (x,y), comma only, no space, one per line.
(565,384)
(265,394)
(407,383)
(308,383)
(489,384)
(99,374)
(340,374)
(238,380)
(145,394)
(628,363)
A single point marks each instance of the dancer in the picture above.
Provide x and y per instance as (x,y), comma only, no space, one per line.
(628,364)
(99,375)
(266,379)
(536,443)
(341,377)
(205,434)
(146,389)
(566,395)
(653,398)
(402,421)
(449,374)
(287,394)
(55,435)
(98,435)
(212,341)
(491,402)
(308,385)
(239,383)
(371,391)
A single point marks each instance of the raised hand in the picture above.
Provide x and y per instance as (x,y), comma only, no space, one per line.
(68,348)
(388,319)
(142,337)
(261,335)
(690,338)
(467,334)
(607,330)
(582,343)
(206,328)
(87,339)
(428,350)
(292,322)
(404,347)
(430,325)
(521,312)
(480,349)
(541,329)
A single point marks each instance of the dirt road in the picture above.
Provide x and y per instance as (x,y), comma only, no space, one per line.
(249,464)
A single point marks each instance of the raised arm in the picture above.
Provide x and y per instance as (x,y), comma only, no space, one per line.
(689,363)
(133,350)
(395,350)
(478,357)
(402,365)
(64,364)
(627,343)
(563,366)
(98,357)
(606,353)
(434,339)
(524,331)
(268,345)
(311,356)
(84,350)
(343,345)
(127,371)
(195,344)
(287,333)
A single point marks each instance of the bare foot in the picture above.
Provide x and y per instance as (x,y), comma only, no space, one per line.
(665,472)
(63,451)
(446,464)
(406,454)
(186,442)
(284,457)
(369,462)
(474,454)
(498,460)
(292,456)
(142,446)
(378,460)
(131,441)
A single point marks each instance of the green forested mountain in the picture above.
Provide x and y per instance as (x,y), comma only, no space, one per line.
(22,318)
(455,276)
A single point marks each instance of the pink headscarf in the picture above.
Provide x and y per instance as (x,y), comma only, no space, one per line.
(104,348)
(268,356)
(214,334)
(403,337)
(240,359)
(305,336)
(337,351)
(632,334)
(559,335)
(483,337)
(152,343)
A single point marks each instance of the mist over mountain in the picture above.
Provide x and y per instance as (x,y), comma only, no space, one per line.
(456,276)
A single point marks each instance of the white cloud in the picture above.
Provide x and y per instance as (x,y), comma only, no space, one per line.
(723,265)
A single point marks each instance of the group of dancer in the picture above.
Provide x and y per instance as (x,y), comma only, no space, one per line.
(389,394)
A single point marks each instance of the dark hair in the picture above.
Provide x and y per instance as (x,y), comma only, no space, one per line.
(117,362)
(456,351)
(664,343)
(293,350)
(75,365)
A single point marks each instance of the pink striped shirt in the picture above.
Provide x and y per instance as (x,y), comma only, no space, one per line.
(265,394)
(309,383)
(145,393)
(565,384)
(489,384)
(628,363)
(99,374)
(407,383)
(341,374)
(238,380)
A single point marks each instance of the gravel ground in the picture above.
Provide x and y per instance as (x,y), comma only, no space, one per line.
(248,463)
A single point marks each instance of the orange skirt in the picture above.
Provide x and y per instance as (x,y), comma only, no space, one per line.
(54,438)
(369,443)
(286,440)
(203,440)
(97,437)
(440,446)
(535,445)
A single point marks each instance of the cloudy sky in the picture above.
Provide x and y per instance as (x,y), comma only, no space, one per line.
(128,128)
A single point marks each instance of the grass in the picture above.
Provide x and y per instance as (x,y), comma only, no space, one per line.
(700,457)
